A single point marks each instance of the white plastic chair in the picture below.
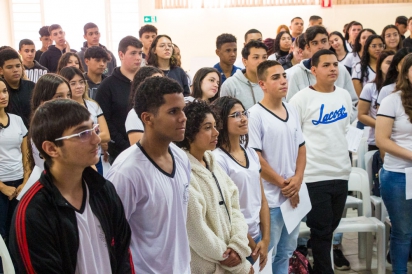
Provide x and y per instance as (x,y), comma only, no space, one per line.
(8,267)
(363,148)
(375,200)
(358,181)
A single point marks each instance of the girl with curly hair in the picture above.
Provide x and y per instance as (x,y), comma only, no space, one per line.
(216,227)
(161,56)
(393,135)
(365,70)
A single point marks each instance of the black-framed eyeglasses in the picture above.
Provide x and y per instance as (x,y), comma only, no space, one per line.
(84,135)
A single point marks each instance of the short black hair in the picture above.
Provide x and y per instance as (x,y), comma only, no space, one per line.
(318,54)
(225,38)
(195,112)
(44,31)
(315,18)
(353,23)
(149,94)
(293,19)
(97,52)
(48,123)
(311,33)
(252,44)
(147,28)
(300,41)
(401,20)
(89,26)
(25,42)
(263,68)
(251,31)
(53,27)
(8,54)
(129,41)
(139,77)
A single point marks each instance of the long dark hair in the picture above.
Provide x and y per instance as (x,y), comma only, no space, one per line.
(276,45)
(379,79)
(69,73)
(404,84)
(197,92)
(337,33)
(222,107)
(152,56)
(357,46)
(399,46)
(366,57)
(139,77)
(64,59)
(393,68)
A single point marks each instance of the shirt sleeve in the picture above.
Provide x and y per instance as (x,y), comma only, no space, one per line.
(356,72)
(23,128)
(366,94)
(133,122)
(220,159)
(299,135)
(255,132)
(388,107)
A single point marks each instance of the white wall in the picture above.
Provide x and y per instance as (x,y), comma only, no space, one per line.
(195,30)
(5,31)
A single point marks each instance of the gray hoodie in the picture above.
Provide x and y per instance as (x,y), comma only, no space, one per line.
(301,77)
(240,87)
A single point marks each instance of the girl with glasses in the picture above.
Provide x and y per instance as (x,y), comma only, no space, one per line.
(242,165)
(78,86)
(161,56)
(14,167)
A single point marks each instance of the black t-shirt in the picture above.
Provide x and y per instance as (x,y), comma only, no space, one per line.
(407,43)
(37,56)
(19,101)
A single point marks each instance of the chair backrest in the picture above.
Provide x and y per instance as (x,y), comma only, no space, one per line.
(8,267)
(358,181)
(368,166)
(363,148)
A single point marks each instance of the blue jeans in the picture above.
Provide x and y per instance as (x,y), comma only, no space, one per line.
(393,186)
(283,243)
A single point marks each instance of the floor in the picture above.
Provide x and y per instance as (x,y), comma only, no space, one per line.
(350,250)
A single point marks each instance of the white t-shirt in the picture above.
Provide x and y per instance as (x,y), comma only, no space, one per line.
(370,94)
(11,137)
(155,205)
(94,109)
(247,179)
(38,159)
(348,46)
(356,74)
(279,141)
(325,120)
(133,122)
(385,91)
(272,57)
(392,107)
(92,255)
(351,59)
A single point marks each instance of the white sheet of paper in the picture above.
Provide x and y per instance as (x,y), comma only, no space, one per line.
(34,176)
(256,267)
(268,267)
(408,175)
(293,216)
(354,137)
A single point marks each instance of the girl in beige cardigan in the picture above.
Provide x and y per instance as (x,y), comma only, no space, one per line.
(216,227)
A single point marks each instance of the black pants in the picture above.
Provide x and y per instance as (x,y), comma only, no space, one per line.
(328,200)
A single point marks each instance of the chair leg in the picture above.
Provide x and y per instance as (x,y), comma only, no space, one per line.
(380,244)
(369,248)
(362,241)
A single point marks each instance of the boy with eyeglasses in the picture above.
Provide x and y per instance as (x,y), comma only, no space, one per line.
(71,220)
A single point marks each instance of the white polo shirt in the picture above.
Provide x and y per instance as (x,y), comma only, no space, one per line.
(247,179)
(385,91)
(370,94)
(155,205)
(356,74)
(279,141)
(133,122)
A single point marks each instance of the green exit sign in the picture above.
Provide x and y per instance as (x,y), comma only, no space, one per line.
(150,19)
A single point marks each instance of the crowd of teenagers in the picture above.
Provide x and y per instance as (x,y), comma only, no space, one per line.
(198,167)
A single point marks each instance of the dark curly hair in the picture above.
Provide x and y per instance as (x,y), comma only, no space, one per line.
(152,56)
(357,46)
(139,77)
(404,84)
(366,57)
(197,83)
(149,94)
(196,112)
(276,45)
(225,38)
(393,68)
(64,59)
(222,107)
